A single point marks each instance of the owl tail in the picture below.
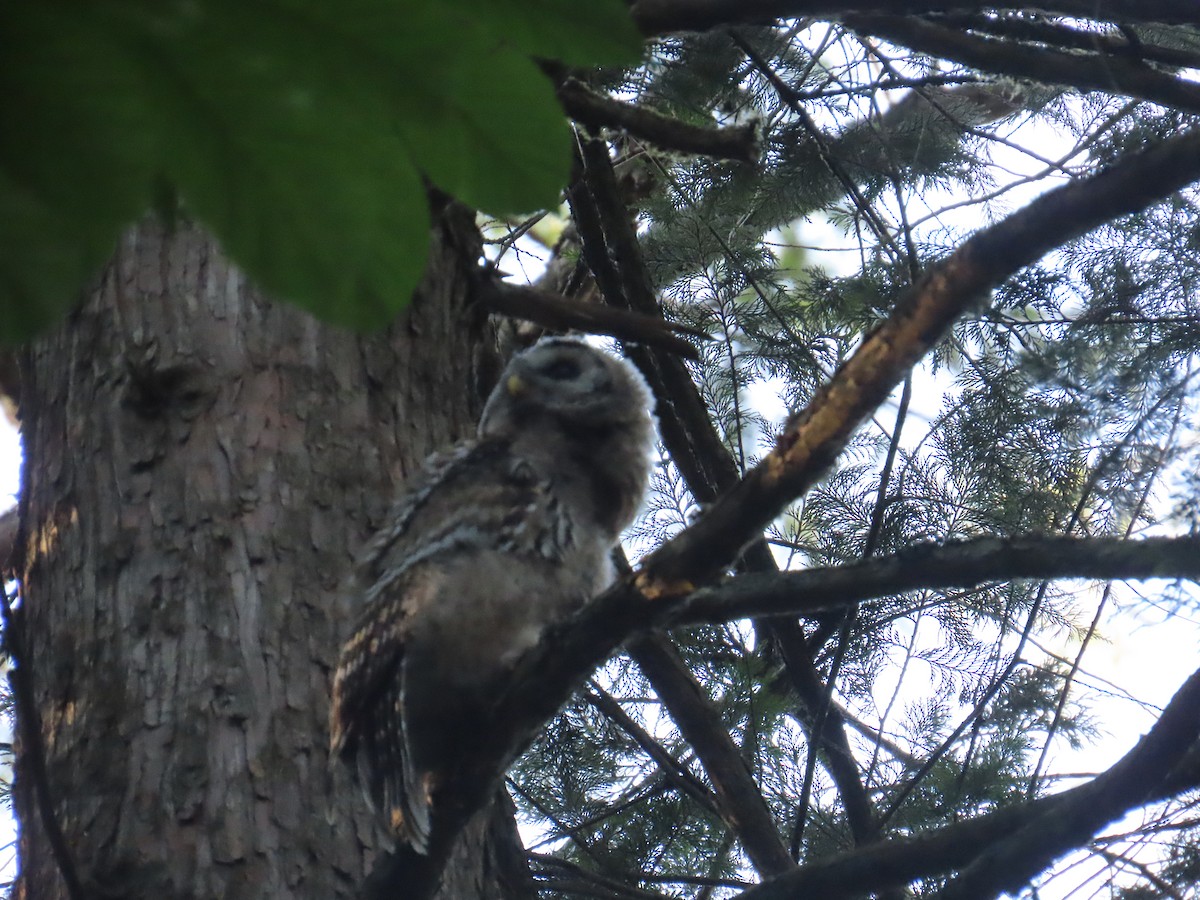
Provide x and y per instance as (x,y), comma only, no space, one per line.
(406,811)
(399,790)
(414,802)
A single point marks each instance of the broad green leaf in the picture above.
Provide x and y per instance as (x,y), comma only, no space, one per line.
(578,34)
(502,111)
(73,119)
(299,169)
(45,260)
(297,130)
(75,164)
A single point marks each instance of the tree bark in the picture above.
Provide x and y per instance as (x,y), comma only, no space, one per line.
(201,466)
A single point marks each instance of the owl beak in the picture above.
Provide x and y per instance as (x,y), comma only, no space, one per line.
(516,386)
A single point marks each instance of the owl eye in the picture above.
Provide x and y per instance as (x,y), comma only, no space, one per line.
(561,369)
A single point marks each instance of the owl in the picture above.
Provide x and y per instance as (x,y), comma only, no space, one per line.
(491,542)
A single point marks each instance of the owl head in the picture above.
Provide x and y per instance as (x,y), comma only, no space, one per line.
(567,381)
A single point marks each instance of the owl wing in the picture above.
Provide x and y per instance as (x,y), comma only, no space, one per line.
(477,497)
(371,655)
(367,721)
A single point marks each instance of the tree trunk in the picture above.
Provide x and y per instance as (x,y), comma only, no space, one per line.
(201,466)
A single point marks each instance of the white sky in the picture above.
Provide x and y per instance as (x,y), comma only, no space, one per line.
(10,479)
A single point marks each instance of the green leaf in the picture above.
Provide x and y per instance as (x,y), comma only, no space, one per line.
(285,148)
(598,33)
(44,261)
(297,130)
(74,163)
(501,142)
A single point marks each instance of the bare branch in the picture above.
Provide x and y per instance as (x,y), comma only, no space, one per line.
(1160,766)
(935,566)
(608,234)
(1008,865)
(1041,31)
(697,450)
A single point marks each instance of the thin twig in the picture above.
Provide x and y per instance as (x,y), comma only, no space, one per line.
(675,772)
(33,754)
(742,804)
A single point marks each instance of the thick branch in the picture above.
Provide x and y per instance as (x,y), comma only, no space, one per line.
(1133,779)
(1041,31)
(935,566)
(741,802)
(814,438)
(575,647)
(578,645)
(659,17)
(608,235)
(1009,864)
(1087,72)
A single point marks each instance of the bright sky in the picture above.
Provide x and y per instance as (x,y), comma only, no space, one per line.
(10,479)
(10,464)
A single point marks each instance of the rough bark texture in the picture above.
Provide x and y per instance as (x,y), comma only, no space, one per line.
(201,466)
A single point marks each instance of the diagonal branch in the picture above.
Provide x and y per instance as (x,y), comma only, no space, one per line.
(742,804)
(707,466)
(1160,766)
(826,724)
(674,772)
(922,317)
(553,311)
(1009,864)
(608,235)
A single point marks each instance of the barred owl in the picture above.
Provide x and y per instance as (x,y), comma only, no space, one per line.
(491,542)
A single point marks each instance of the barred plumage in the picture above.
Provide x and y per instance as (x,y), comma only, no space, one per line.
(491,542)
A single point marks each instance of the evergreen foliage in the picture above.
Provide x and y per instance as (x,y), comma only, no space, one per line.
(1063,403)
